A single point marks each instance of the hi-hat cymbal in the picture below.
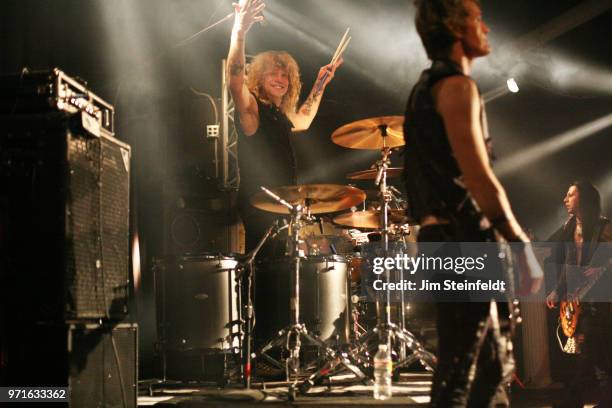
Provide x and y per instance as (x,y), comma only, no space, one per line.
(321,198)
(368,133)
(369,219)
(370,174)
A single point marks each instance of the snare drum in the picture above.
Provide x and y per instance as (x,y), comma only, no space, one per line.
(197,298)
(323,297)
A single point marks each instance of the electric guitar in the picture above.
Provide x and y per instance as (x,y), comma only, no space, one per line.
(570,309)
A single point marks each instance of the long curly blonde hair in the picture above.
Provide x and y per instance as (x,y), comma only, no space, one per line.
(269,59)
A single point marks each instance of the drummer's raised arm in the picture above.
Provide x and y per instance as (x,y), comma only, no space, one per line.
(246,13)
(305,114)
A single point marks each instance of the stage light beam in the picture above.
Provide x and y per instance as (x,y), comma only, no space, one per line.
(554,144)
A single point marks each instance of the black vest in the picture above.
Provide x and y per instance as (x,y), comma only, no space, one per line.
(266,158)
(431,173)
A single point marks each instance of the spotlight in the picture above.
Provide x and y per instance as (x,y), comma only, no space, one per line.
(512,85)
(501,90)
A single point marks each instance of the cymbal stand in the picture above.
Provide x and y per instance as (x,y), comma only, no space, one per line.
(292,335)
(381,181)
(386,330)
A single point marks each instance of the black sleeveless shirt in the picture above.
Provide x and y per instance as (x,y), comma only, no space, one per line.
(266,158)
(432,176)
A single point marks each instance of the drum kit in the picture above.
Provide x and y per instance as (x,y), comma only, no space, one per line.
(314,279)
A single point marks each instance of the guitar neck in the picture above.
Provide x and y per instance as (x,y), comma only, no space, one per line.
(584,289)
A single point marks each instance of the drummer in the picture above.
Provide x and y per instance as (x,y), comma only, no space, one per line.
(265,95)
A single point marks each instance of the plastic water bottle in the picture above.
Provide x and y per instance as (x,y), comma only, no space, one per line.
(383,367)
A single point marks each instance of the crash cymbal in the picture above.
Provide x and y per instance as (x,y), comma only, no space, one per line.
(370,174)
(369,219)
(367,133)
(322,198)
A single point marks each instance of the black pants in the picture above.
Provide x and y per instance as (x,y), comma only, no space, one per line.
(474,356)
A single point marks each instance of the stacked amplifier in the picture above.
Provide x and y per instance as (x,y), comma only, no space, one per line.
(64,242)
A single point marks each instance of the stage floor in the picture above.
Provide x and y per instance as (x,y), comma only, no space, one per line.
(411,391)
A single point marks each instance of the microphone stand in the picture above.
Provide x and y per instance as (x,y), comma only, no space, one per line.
(247,270)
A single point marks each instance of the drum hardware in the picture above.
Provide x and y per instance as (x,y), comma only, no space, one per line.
(395,197)
(358,237)
(357,310)
(246,270)
(306,200)
(387,330)
(370,219)
(382,133)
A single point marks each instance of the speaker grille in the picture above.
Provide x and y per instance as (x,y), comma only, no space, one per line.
(67,197)
(95,369)
(82,229)
(115,191)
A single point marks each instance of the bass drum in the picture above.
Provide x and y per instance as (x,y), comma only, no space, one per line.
(323,297)
(197,298)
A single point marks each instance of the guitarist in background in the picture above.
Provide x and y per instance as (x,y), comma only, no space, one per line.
(578,239)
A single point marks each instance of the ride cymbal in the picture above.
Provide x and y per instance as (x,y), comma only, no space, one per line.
(320,198)
(368,133)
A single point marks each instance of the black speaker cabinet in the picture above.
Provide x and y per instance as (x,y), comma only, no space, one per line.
(98,363)
(64,211)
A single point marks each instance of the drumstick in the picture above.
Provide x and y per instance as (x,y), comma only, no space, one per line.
(341,47)
(345,39)
(341,51)
(335,57)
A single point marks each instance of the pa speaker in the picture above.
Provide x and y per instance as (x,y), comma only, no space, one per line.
(98,363)
(64,210)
